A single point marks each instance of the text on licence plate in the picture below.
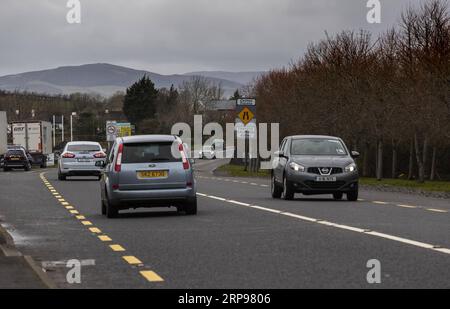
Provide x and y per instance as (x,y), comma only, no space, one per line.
(152,174)
(325,178)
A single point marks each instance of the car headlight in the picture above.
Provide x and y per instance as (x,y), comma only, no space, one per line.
(350,168)
(297,167)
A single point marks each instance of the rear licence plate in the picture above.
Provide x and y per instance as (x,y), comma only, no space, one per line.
(84,160)
(15,159)
(152,174)
(325,179)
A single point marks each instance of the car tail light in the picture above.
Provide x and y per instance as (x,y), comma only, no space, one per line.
(118,165)
(115,187)
(183,157)
(99,155)
(189,184)
(68,155)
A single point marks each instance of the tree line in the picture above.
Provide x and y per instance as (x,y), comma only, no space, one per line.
(388,97)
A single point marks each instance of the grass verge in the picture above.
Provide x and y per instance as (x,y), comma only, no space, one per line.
(238,171)
(438,186)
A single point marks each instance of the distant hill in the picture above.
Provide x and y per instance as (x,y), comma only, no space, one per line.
(243,78)
(106,79)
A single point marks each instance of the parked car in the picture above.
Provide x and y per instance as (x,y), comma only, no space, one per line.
(29,157)
(207,152)
(81,159)
(148,171)
(313,164)
(16,158)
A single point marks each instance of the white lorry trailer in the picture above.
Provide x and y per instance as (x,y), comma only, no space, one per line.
(35,137)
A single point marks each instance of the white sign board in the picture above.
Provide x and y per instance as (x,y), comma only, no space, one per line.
(111,131)
(246,131)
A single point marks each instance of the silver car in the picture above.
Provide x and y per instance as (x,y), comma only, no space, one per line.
(314,164)
(148,171)
(81,159)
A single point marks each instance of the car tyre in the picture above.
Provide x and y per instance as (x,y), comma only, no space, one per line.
(6,169)
(103,207)
(61,177)
(288,191)
(275,189)
(352,195)
(338,195)
(27,168)
(191,207)
(111,210)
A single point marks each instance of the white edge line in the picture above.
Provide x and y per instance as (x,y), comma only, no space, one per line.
(340,226)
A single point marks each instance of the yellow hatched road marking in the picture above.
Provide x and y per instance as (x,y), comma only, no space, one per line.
(69,207)
(86,222)
(117,248)
(80,217)
(95,230)
(74,212)
(104,238)
(132,260)
(151,276)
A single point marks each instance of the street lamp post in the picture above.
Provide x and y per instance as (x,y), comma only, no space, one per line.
(71,125)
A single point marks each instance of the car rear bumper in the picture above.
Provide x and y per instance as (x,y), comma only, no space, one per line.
(15,163)
(151,198)
(80,170)
(306,183)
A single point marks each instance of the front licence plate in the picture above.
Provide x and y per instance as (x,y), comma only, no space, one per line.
(325,179)
(152,174)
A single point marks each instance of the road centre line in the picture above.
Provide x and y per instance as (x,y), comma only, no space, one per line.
(360,200)
(339,226)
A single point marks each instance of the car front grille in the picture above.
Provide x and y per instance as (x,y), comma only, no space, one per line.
(324,185)
(334,170)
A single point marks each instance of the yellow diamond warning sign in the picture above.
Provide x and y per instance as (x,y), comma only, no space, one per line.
(246,115)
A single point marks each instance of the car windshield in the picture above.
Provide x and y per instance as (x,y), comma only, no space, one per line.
(149,152)
(318,147)
(83,148)
(15,152)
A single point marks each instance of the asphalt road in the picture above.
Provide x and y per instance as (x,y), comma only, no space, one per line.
(241,237)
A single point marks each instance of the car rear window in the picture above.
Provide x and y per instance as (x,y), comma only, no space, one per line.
(16,152)
(149,152)
(81,148)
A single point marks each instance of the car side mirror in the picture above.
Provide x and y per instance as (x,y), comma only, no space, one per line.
(355,154)
(280,154)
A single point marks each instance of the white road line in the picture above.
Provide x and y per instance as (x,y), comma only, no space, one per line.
(380,203)
(406,206)
(436,210)
(336,225)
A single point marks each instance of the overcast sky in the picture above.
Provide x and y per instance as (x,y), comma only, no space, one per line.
(176,36)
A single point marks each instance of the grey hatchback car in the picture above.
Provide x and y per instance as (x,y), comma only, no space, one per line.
(314,164)
(148,171)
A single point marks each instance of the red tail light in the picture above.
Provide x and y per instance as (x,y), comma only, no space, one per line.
(68,155)
(183,157)
(118,165)
(99,155)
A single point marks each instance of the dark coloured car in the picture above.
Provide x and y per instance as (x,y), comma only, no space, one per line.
(16,158)
(314,164)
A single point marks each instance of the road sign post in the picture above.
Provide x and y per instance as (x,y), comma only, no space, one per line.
(246,128)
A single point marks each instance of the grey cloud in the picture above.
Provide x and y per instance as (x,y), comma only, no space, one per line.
(174,36)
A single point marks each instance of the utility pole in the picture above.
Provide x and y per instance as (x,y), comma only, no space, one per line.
(54,131)
(62,124)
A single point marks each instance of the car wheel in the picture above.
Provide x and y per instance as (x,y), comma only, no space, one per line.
(338,195)
(288,192)
(191,207)
(103,207)
(27,168)
(275,189)
(111,210)
(352,195)
(99,177)
(61,177)
(6,169)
